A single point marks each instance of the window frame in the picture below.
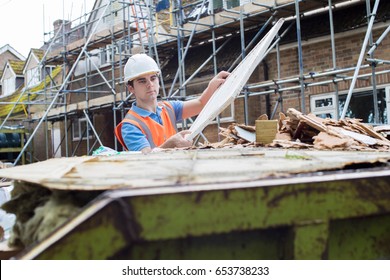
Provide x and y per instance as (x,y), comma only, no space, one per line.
(326,109)
(33,74)
(78,126)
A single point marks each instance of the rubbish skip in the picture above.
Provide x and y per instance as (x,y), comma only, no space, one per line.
(233,203)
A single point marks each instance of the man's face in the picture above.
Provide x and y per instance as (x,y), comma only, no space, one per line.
(145,87)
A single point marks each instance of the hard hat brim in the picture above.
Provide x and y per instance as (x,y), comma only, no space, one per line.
(142,74)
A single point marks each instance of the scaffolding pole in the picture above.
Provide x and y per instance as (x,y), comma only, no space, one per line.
(361,56)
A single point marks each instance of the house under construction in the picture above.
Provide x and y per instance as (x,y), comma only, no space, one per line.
(314,66)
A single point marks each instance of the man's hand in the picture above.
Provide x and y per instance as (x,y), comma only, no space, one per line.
(217,81)
(193,107)
(177,141)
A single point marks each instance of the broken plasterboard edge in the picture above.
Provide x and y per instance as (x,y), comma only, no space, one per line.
(233,84)
(245,134)
(359,137)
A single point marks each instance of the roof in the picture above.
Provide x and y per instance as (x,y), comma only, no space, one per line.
(7,47)
(17,66)
(38,53)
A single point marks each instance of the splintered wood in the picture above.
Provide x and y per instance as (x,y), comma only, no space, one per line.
(297,130)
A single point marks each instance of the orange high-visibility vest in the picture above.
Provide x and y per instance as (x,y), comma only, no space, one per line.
(154,132)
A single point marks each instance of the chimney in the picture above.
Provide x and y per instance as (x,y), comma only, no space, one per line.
(58,23)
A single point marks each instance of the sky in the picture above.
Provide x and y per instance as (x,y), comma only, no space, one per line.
(24,22)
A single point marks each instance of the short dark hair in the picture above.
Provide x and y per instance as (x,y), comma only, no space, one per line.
(130,83)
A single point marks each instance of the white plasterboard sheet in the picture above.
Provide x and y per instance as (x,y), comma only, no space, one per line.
(229,90)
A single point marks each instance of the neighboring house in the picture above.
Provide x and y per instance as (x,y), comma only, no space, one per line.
(28,86)
(12,77)
(8,53)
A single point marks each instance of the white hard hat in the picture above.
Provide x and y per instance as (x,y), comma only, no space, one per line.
(138,65)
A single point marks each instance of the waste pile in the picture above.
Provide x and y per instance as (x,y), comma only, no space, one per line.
(297,130)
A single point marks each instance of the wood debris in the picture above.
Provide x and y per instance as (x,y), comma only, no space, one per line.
(232,137)
(297,130)
(328,134)
(384,129)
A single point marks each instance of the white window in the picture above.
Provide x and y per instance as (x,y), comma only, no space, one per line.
(113,11)
(56,140)
(111,51)
(32,77)
(102,56)
(8,86)
(79,129)
(324,105)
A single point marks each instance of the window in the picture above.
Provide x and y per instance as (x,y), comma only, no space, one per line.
(32,77)
(226,115)
(112,11)
(111,51)
(228,4)
(79,129)
(8,86)
(56,140)
(323,106)
(102,56)
(48,70)
(361,105)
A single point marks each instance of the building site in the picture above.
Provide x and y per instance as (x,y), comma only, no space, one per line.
(288,157)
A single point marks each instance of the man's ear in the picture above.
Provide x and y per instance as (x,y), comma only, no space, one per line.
(130,88)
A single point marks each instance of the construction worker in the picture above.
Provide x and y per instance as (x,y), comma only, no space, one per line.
(150,124)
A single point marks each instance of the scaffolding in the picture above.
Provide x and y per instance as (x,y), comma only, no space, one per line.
(92,63)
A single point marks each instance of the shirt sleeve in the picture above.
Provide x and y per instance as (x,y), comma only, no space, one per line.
(133,137)
(178,108)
